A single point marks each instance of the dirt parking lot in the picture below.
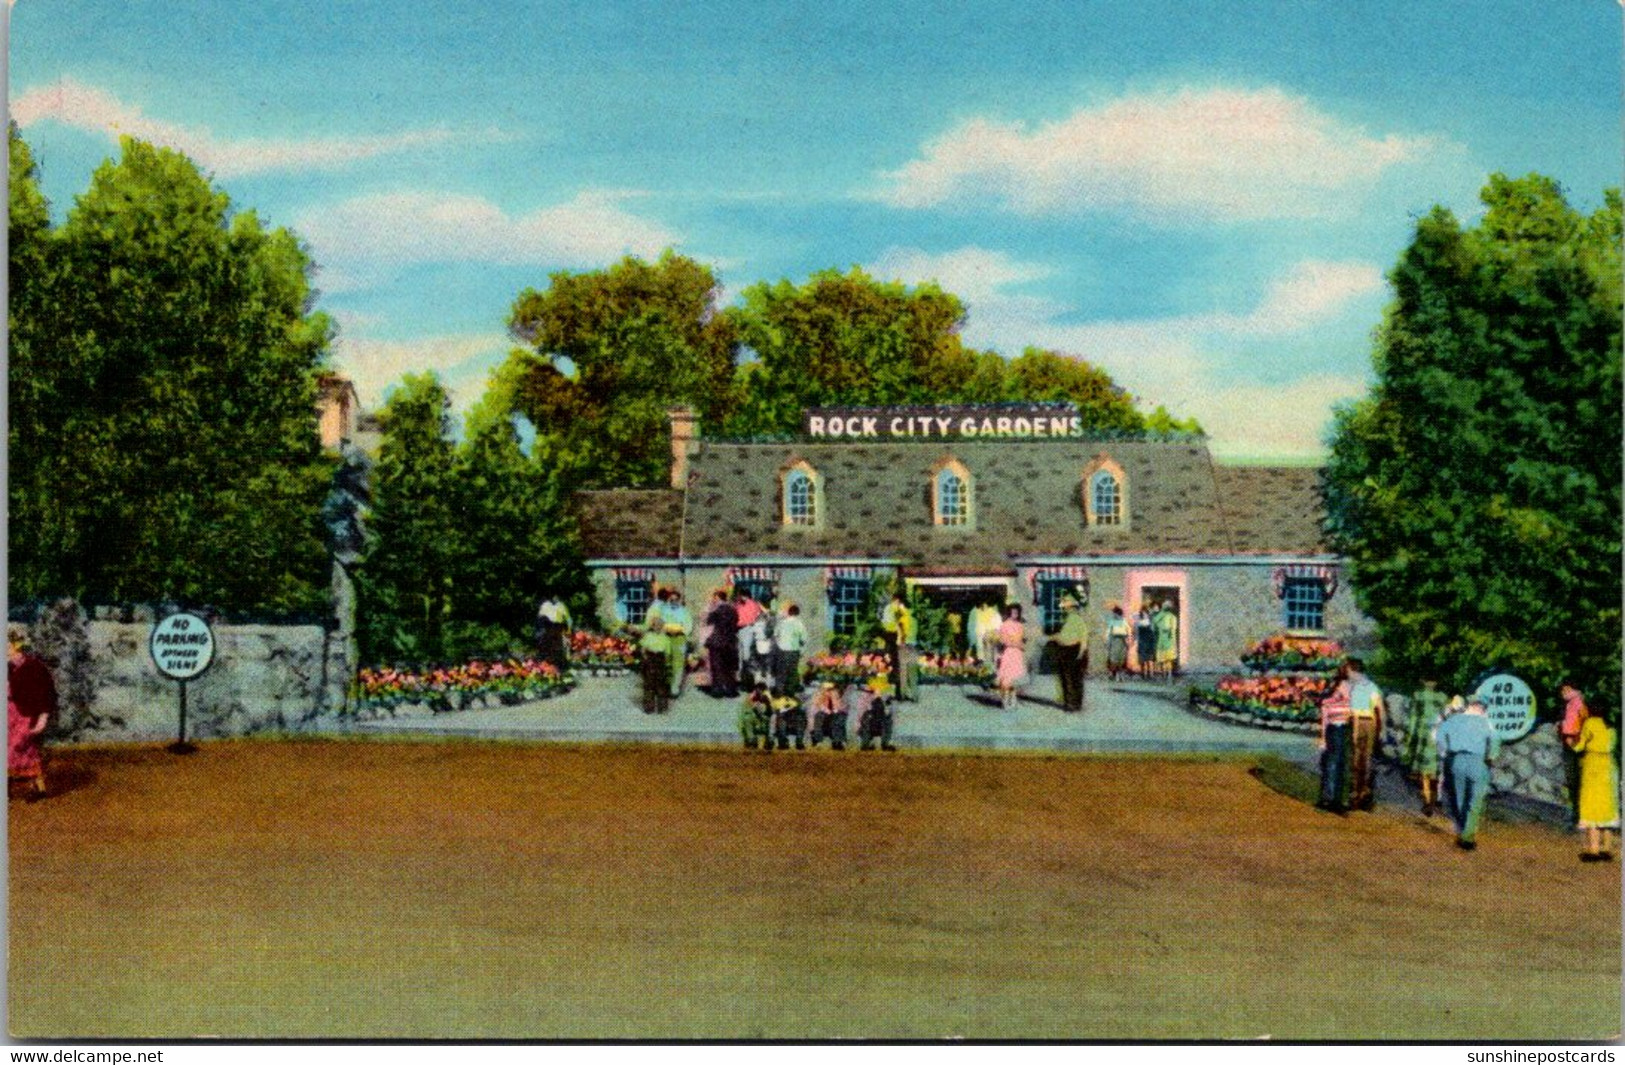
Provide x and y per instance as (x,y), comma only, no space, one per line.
(466,890)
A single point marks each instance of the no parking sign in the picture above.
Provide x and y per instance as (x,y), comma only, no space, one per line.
(182,648)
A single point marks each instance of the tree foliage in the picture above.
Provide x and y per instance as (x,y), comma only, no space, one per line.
(610,351)
(464,539)
(1476,491)
(163,437)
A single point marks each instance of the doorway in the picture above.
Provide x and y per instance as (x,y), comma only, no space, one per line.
(1160,586)
(958,597)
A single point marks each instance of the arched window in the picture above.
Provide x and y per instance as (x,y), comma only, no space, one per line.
(1105,498)
(952,496)
(800,501)
(1105,493)
(800,494)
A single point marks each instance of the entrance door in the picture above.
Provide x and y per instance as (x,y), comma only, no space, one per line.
(959,598)
(1159,586)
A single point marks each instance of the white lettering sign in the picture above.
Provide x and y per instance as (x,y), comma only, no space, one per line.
(182,646)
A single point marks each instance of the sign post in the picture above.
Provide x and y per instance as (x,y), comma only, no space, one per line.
(182,648)
(1509,703)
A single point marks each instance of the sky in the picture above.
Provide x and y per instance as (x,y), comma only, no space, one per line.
(1200,197)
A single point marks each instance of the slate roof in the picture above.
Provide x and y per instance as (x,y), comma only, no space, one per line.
(630,522)
(1028,503)
(1272,510)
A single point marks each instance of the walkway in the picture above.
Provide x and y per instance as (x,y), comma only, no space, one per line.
(1115,719)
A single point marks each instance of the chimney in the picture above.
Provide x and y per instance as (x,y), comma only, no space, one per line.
(683,422)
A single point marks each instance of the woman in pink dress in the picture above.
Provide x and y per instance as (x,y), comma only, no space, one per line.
(1012,672)
(30,703)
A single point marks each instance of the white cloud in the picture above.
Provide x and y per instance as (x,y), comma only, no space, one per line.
(1210,154)
(1183,362)
(376,365)
(98,111)
(971,273)
(406,227)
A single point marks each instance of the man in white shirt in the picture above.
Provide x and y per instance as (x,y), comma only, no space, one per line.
(790,639)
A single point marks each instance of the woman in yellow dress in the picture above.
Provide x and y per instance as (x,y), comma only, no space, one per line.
(1599,787)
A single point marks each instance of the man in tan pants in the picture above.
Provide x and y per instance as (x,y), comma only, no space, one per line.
(1365,707)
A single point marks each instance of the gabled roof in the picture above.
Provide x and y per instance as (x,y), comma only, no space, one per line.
(1273,510)
(630,523)
(1027,502)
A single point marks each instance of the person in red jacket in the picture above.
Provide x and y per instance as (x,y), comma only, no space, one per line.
(30,705)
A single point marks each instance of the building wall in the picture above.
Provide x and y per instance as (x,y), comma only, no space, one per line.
(1226,606)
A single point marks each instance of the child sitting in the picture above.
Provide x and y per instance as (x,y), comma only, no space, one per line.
(756,718)
(829,716)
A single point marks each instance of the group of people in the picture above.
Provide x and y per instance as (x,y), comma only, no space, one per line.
(747,644)
(1156,640)
(773,722)
(1449,747)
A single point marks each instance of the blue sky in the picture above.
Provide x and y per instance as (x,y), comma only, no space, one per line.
(1200,197)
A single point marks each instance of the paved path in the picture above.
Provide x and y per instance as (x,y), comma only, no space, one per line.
(1125,718)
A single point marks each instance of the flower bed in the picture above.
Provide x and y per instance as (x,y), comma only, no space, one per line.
(602,653)
(1271,698)
(1291,654)
(459,687)
(847,668)
(953,669)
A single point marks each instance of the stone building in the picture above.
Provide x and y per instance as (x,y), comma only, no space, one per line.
(1237,550)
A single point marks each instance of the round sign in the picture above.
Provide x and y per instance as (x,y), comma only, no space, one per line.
(1509,704)
(182,646)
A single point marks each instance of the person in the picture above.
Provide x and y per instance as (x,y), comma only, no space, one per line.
(1421,755)
(789,722)
(1467,745)
(1599,786)
(653,645)
(829,715)
(722,646)
(679,625)
(1568,730)
(1365,712)
(759,666)
(985,634)
(30,706)
(1335,725)
(1118,631)
(552,630)
(1166,623)
(878,719)
(756,718)
(891,632)
(1071,643)
(908,656)
(1012,672)
(748,611)
(1145,640)
(789,640)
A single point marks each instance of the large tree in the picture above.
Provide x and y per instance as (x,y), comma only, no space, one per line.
(164,356)
(1476,491)
(851,339)
(611,350)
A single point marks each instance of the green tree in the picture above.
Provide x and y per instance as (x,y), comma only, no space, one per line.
(167,447)
(845,339)
(611,351)
(408,574)
(1476,491)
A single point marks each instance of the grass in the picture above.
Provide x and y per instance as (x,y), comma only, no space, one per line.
(508,890)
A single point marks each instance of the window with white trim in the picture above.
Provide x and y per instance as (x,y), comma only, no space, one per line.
(800,498)
(1105,499)
(953,499)
(847,598)
(1305,599)
(632,599)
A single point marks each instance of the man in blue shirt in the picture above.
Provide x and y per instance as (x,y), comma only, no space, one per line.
(1467,746)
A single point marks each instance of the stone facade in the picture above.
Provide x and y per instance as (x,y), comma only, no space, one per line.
(1229,604)
(265,678)
(1531,767)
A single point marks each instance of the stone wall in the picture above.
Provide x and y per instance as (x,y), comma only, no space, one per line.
(1531,767)
(265,678)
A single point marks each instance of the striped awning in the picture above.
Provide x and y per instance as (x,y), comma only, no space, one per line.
(847,573)
(1326,575)
(635,575)
(752,573)
(1072,574)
